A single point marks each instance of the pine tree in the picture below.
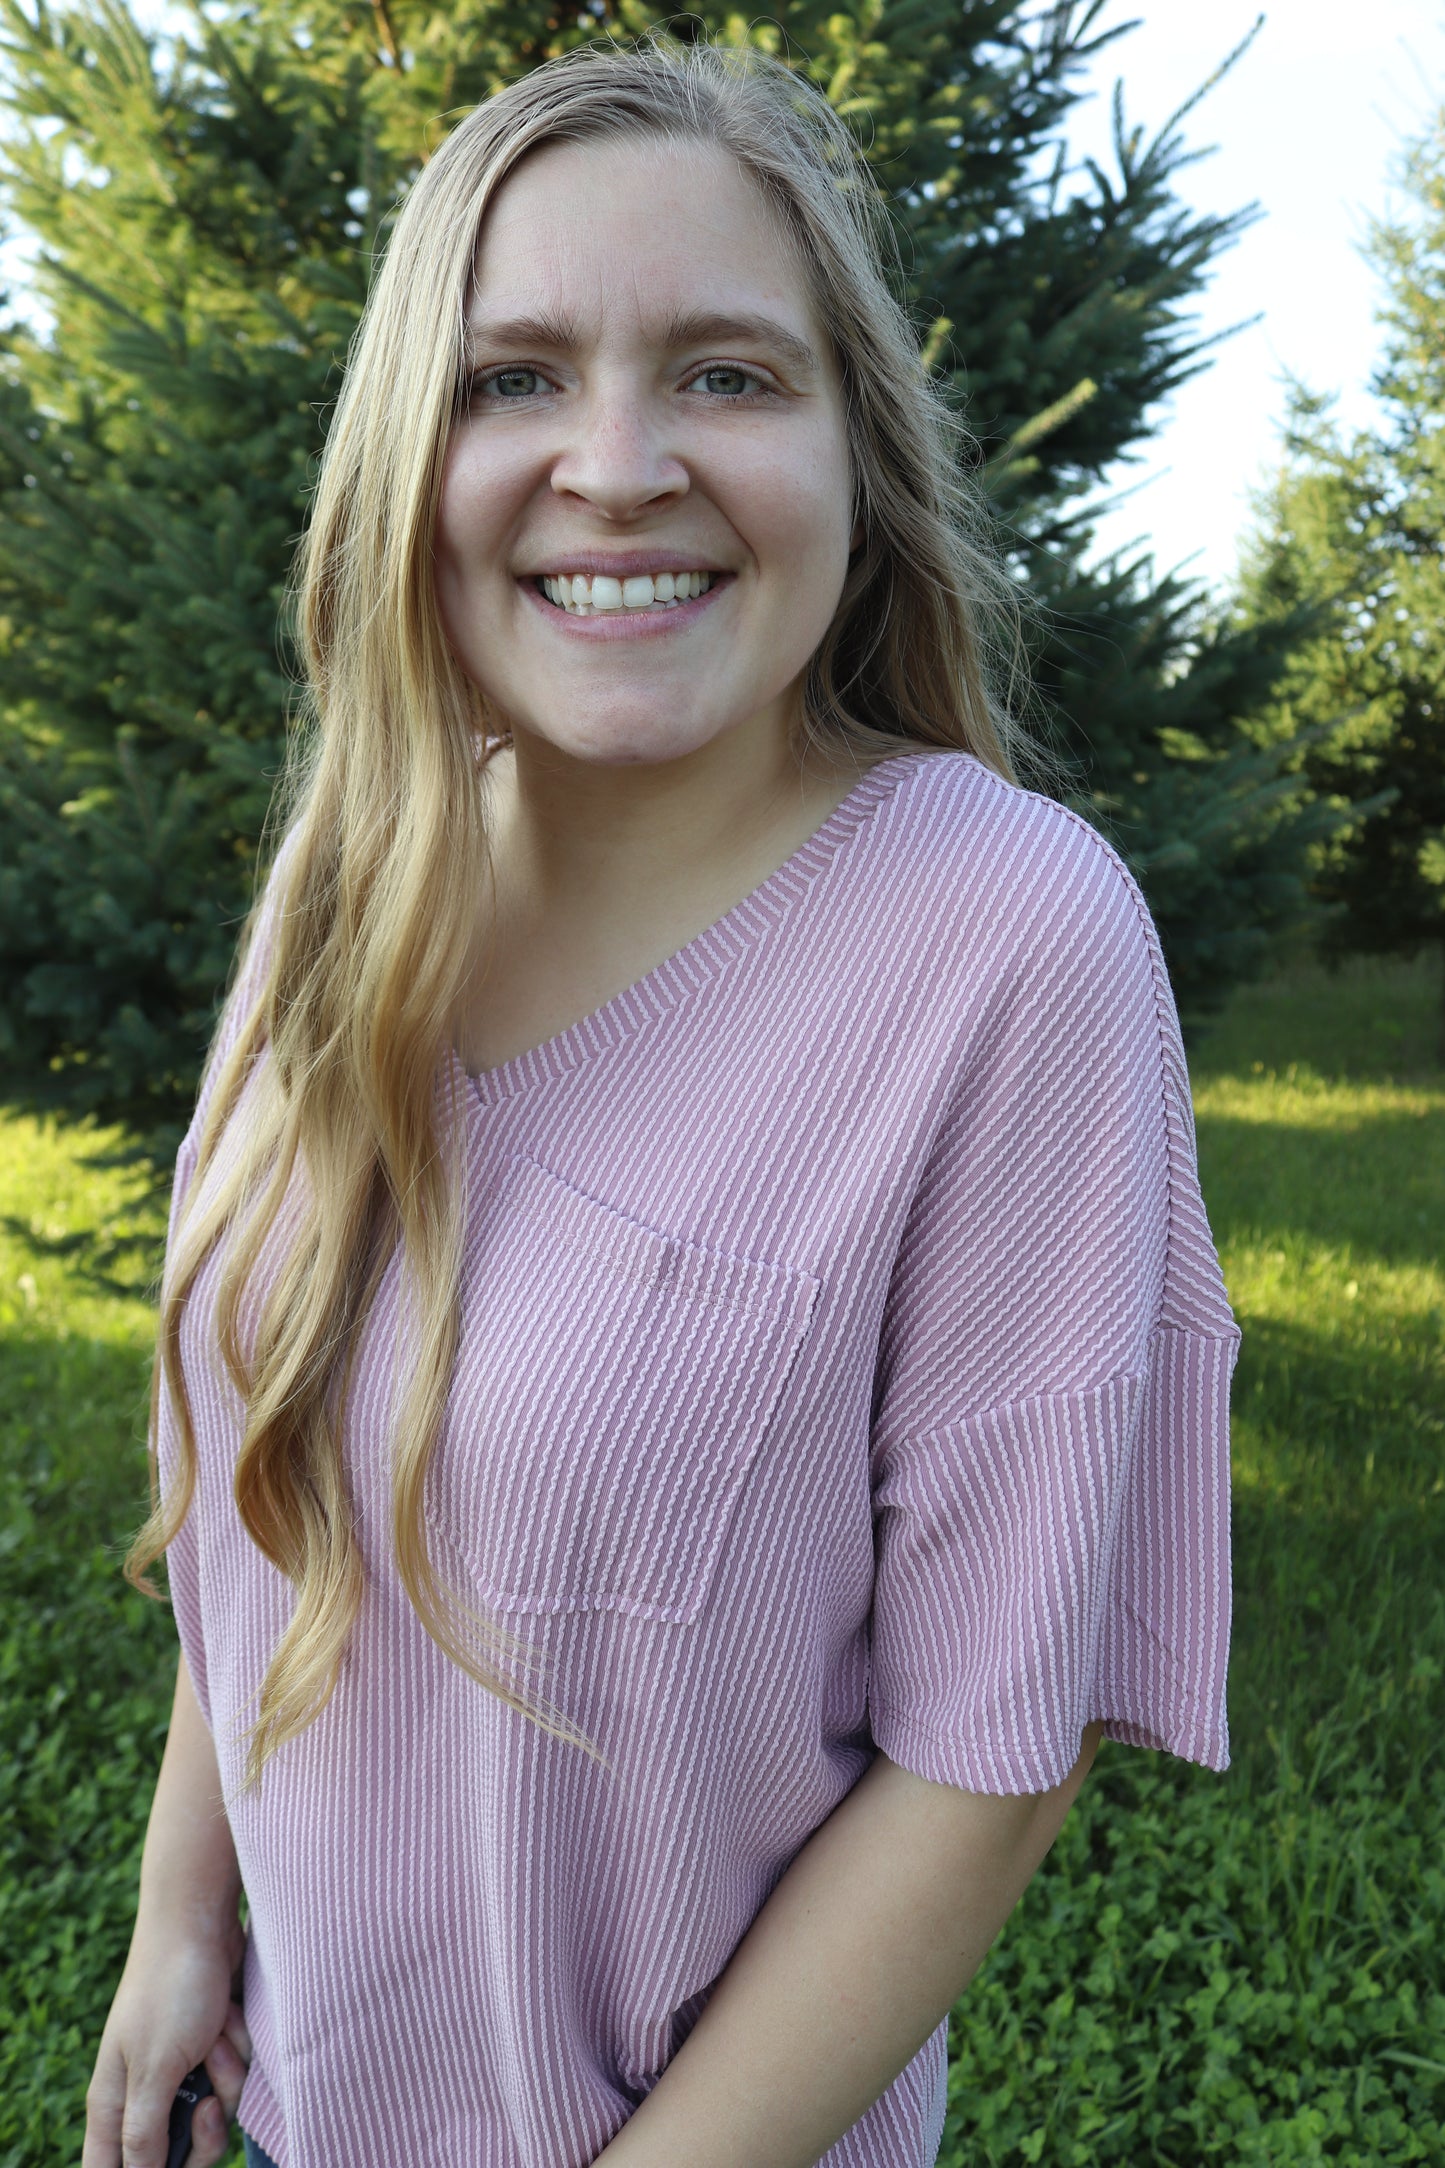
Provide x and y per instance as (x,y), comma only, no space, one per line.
(1353,529)
(209,207)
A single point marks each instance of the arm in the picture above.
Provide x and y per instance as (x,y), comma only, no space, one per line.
(189,1875)
(858,1955)
(175,2004)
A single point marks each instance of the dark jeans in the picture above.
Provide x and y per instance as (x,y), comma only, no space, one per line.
(255,2158)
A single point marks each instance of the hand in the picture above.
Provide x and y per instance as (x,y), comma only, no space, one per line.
(176,2006)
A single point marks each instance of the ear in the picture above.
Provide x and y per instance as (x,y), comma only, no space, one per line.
(856,538)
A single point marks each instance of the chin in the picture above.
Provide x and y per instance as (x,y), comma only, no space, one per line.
(629,747)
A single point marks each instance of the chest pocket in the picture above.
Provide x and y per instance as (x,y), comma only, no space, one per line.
(614,1386)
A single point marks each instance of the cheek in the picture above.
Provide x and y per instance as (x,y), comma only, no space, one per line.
(468,544)
(475,529)
(799,510)
(467,493)
(487,485)
(449,554)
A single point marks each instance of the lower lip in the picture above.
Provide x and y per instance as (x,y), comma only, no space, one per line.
(650,624)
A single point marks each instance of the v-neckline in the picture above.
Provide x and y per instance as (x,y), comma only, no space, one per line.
(698,960)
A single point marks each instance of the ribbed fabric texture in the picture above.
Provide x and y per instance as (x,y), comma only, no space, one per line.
(844,1366)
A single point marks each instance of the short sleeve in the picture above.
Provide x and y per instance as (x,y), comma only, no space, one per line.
(1050,1443)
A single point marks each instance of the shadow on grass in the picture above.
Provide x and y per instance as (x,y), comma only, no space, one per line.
(1338,1530)
(1378,1185)
(1337,1652)
(1346,1428)
(1373,1019)
(116,1258)
(72,1432)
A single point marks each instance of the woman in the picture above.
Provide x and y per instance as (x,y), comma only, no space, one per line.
(695,1375)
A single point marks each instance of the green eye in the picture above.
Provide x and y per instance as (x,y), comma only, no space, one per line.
(501,378)
(741,378)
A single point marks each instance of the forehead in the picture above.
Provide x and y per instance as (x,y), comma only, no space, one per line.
(636,227)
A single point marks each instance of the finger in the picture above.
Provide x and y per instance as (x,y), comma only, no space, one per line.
(104,2106)
(210,2133)
(227,2073)
(236,2032)
(145,2124)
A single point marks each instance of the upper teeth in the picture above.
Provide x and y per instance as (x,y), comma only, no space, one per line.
(601,592)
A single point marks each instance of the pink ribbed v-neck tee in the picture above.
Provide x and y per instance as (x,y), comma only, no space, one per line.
(844,1366)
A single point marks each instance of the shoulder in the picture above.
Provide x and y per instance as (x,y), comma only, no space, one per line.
(1011,874)
(1043,949)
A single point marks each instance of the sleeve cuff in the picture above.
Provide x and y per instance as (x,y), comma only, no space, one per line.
(1054,1562)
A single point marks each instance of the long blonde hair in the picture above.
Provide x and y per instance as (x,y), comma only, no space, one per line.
(371,911)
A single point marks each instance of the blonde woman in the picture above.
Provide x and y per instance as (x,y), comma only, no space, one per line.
(694,1375)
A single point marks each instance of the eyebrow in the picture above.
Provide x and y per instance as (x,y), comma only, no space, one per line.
(694,327)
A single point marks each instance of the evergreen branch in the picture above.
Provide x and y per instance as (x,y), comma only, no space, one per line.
(1070,44)
(1042,425)
(387,29)
(1182,112)
(140,326)
(933,345)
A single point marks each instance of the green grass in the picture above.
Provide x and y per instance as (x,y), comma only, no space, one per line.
(1324,1174)
(87,1665)
(1235,1968)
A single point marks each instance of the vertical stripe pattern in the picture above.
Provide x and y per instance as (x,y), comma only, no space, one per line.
(844,1367)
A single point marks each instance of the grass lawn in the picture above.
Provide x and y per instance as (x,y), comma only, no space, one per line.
(1236,1968)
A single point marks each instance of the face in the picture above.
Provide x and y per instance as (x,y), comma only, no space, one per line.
(651,398)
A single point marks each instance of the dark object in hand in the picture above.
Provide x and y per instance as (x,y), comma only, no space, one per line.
(194,2086)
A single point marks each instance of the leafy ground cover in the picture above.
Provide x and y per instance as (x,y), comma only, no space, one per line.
(1236,1968)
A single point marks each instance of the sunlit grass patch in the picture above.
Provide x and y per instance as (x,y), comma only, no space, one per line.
(79,1247)
(78,1242)
(1325,1186)
(1375,1018)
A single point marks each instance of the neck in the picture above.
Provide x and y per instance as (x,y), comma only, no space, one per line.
(574,836)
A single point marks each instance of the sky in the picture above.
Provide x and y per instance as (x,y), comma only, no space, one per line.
(1310,123)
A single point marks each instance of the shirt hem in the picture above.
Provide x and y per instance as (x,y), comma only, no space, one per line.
(258,2114)
(975,1765)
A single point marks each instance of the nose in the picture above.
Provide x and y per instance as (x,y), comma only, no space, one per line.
(615,454)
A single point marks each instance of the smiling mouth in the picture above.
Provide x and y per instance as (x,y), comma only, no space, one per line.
(601,596)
